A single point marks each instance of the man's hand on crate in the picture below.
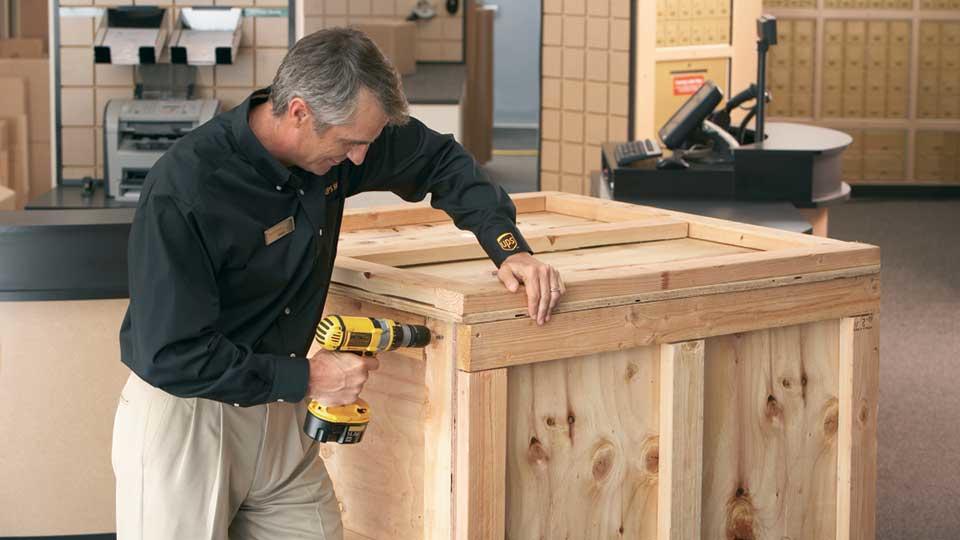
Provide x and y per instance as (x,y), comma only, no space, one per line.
(542,283)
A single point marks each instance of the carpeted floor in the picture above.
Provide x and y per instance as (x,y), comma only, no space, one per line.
(919,430)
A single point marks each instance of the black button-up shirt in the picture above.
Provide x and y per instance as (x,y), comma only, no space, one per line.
(217,312)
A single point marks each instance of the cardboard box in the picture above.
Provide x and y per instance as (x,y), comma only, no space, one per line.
(36,71)
(21,48)
(8,199)
(397,39)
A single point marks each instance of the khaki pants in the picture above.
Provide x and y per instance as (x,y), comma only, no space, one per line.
(198,469)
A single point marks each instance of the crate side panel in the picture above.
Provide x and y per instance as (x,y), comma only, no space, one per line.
(582,447)
(770,433)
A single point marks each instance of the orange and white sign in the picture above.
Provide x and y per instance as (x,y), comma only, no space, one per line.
(687,84)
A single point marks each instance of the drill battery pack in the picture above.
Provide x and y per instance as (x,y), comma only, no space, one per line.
(345,424)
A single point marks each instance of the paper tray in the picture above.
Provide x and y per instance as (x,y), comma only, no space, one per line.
(131,35)
(206,36)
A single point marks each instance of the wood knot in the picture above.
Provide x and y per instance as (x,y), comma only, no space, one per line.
(536,453)
(740,517)
(664,280)
(773,409)
(603,458)
(571,419)
(803,379)
(551,421)
(632,370)
(864,414)
(831,418)
(368,275)
(786,383)
(650,457)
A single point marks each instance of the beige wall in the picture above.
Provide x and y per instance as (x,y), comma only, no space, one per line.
(86,87)
(60,378)
(438,40)
(585,94)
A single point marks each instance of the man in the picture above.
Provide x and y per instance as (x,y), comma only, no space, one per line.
(230,258)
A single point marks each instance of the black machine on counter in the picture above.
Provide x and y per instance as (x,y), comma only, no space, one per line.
(708,157)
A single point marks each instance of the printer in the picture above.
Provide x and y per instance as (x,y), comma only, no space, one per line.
(138,131)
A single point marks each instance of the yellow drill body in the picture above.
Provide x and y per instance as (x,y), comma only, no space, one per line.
(346,424)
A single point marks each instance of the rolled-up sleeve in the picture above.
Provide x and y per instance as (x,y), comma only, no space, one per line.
(413,160)
(170,338)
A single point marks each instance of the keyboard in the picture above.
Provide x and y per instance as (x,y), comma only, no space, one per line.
(627,153)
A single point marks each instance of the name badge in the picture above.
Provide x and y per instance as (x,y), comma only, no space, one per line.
(278,231)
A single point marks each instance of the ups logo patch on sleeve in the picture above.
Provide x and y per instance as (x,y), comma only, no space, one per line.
(507,241)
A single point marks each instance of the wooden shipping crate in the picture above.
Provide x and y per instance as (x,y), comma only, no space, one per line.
(700,379)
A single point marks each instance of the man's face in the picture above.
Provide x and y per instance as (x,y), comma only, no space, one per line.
(319,152)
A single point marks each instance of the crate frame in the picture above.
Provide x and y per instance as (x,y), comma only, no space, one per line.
(675,307)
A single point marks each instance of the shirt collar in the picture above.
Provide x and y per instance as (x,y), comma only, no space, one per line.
(251,148)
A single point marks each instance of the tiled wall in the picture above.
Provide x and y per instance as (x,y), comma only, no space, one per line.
(692,22)
(86,87)
(879,155)
(791,3)
(938,88)
(866,68)
(938,156)
(867,4)
(890,77)
(439,39)
(584,87)
(791,73)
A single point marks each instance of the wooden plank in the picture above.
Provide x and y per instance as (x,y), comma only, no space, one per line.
(426,251)
(608,280)
(707,228)
(736,235)
(598,209)
(481,452)
(566,306)
(857,437)
(414,214)
(442,293)
(438,433)
(681,440)
(638,256)
(582,454)
(770,433)
(520,341)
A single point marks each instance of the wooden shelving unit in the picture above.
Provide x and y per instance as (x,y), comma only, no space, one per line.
(906,129)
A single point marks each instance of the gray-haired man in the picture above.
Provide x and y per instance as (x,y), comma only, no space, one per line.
(230,257)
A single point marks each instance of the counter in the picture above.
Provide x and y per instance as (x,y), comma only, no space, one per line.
(63,289)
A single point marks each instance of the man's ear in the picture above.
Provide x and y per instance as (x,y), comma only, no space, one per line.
(298,112)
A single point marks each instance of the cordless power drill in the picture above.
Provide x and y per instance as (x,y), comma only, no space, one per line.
(346,424)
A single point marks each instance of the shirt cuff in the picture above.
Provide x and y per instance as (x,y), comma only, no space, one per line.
(290,378)
(503,240)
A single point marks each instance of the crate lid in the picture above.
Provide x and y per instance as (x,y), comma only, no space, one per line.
(413,258)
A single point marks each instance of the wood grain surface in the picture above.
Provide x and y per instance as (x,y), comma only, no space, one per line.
(582,447)
(770,433)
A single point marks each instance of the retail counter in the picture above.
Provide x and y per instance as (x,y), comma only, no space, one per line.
(63,288)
